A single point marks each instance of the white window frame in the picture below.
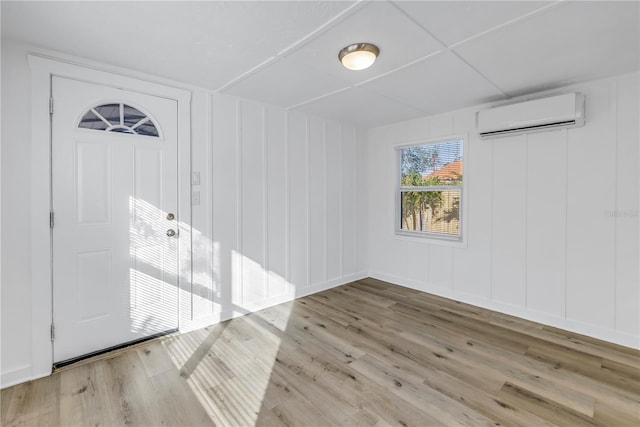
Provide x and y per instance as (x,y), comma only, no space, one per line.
(435,238)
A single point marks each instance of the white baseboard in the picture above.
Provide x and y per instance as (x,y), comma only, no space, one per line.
(16,376)
(253,307)
(594,331)
(330,284)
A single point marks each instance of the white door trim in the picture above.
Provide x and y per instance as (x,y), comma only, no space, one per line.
(42,68)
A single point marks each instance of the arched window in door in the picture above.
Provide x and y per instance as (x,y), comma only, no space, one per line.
(119,117)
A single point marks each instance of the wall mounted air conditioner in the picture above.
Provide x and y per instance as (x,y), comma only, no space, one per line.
(537,115)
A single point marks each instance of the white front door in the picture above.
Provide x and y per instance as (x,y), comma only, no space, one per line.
(114,199)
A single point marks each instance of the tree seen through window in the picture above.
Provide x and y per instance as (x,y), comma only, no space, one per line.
(431,188)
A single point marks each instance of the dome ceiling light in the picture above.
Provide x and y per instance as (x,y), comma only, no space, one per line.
(358,56)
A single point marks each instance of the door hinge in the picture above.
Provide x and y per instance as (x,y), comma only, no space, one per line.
(53,332)
(51,219)
(51,105)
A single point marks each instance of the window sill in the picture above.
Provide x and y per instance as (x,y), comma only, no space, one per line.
(453,242)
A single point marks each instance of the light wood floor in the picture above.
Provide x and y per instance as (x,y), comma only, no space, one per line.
(367,353)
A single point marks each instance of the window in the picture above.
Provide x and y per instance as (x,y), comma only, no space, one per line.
(429,196)
(121,118)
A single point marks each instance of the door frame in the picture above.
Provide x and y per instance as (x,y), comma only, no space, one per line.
(42,70)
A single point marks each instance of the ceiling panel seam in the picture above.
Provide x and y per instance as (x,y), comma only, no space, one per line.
(520,18)
(398,101)
(444,46)
(510,22)
(475,70)
(317,98)
(359,4)
(402,67)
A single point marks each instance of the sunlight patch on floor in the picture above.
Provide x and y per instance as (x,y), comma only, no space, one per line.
(229,365)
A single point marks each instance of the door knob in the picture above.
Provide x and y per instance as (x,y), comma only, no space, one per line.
(171,232)
(170,216)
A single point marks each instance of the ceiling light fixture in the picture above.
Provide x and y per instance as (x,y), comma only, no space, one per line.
(358,56)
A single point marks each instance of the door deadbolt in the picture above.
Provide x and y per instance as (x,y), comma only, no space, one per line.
(171,232)
(170,216)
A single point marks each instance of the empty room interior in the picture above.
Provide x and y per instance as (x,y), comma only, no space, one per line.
(320,213)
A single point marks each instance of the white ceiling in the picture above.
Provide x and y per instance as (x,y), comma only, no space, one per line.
(436,56)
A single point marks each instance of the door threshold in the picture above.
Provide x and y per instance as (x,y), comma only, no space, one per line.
(107,352)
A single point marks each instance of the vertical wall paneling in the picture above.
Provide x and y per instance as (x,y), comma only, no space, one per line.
(393,257)
(440,260)
(376,207)
(317,202)
(287,179)
(15,324)
(202,295)
(237,264)
(265,201)
(509,211)
(361,211)
(224,194)
(472,264)
(546,213)
(298,217)
(590,193)
(288,201)
(341,216)
(277,185)
(349,202)
(252,210)
(553,217)
(613,103)
(418,261)
(333,190)
(213,296)
(626,211)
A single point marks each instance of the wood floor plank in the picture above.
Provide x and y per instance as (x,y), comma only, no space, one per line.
(368,353)
(445,410)
(628,372)
(548,409)
(36,403)
(609,351)
(177,402)
(482,400)
(300,413)
(570,385)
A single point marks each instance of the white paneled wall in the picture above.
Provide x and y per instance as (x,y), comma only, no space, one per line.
(283,197)
(627,225)
(546,238)
(282,209)
(291,204)
(508,220)
(553,220)
(15,294)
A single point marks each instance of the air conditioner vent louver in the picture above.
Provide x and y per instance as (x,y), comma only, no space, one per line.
(537,115)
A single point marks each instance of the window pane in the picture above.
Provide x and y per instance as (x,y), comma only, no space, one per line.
(132,115)
(121,129)
(111,112)
(431,211)
(432,164)
(147,128)
(133,120)
(91,121)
